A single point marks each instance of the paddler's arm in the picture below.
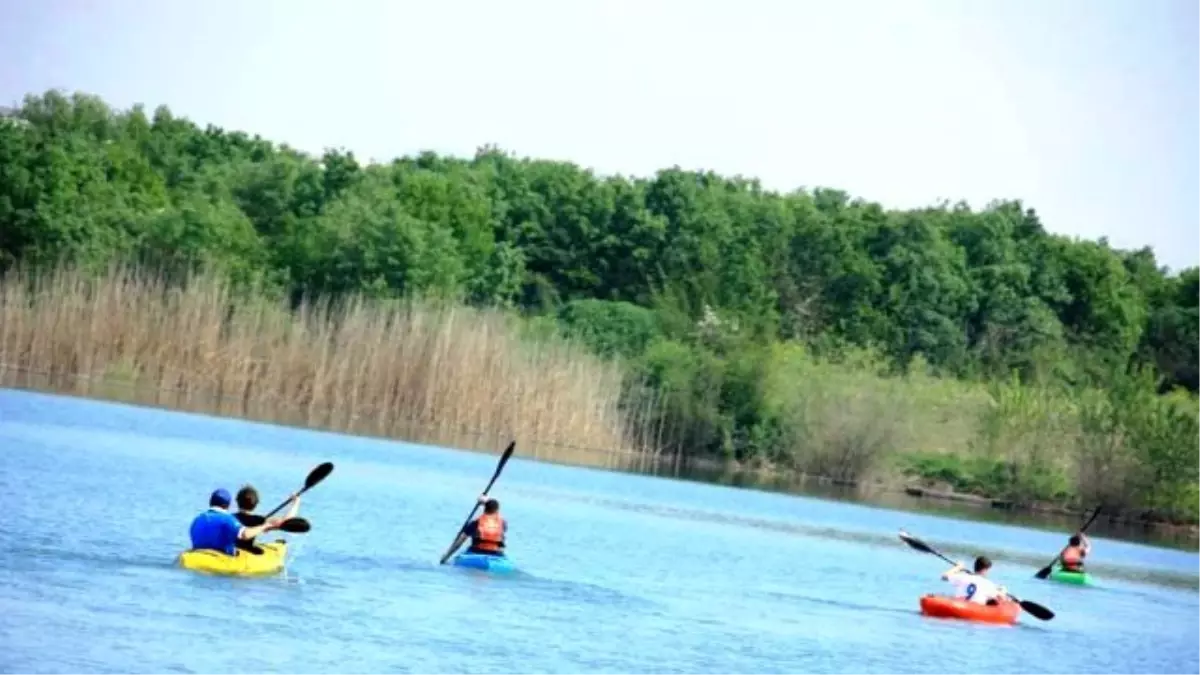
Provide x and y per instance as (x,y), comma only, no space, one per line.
(295,507)
(278,520)
(252,532)
(958,567)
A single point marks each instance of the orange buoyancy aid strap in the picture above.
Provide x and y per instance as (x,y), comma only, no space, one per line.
(490,531)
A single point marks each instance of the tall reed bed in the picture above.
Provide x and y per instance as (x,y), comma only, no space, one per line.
(436,372)
(416,370)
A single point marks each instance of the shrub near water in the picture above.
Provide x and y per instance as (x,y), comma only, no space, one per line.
(1136,451)
(1125,448)
(1022,447)
(417,370)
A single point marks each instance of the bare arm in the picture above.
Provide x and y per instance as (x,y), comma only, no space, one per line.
(252,532)
(958,567)
(295,508)
(278,520)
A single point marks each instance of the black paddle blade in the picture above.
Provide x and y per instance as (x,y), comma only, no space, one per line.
(1044,572)
(916,543)
(1036,610)
(295,526)
(505,456)
(318,474)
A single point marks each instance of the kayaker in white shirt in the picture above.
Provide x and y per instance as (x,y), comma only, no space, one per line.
(976,588)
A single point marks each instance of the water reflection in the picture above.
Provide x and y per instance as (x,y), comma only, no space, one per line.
(1104,569)
(1179,539)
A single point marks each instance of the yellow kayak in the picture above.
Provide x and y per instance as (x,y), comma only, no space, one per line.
(242,564)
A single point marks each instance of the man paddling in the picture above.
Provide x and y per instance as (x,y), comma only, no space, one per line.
(485,532)
(1077,548)
(976,588)
(219,530)
(247,501)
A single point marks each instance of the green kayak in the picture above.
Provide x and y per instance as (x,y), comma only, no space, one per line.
(1079,578)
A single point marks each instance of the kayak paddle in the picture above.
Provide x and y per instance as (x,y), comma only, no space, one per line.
(508,452)
(295,526)
(1027,605)
(315,476)
(1045,571)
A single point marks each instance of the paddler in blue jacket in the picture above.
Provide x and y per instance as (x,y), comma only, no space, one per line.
(219,530)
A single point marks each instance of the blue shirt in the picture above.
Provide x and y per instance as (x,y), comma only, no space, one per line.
(215,529)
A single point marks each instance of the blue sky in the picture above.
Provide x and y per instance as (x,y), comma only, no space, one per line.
(1086,110)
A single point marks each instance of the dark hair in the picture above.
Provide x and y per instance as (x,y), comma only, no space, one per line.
(491,506)
(247,498)
(982,563)
(1075,540)
(217,500)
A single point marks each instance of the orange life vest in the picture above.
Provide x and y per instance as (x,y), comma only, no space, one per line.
(490,533)
(1072,558)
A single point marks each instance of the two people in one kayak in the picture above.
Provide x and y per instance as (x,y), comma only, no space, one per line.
(975,587)
(486,532)
(219,530)
(247,501)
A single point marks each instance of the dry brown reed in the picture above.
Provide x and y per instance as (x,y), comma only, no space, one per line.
(415,370)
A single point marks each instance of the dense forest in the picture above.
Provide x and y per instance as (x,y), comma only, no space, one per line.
(799,330)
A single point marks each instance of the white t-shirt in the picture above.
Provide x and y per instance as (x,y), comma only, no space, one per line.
(973,587)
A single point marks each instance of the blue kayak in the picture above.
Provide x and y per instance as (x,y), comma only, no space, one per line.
(481,561)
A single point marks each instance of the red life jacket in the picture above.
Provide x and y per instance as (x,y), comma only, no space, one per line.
(1072,558)
(489,533)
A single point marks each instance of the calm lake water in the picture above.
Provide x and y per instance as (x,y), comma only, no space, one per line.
(620,573)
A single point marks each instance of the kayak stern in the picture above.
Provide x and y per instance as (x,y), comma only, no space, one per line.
(487,563)
(1066,577)
(242,563)
(945,607)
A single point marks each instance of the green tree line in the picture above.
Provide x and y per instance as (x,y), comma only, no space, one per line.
(707,286)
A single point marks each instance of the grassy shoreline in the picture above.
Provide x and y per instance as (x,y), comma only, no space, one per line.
(1042,516)
(918,493)
(427,371)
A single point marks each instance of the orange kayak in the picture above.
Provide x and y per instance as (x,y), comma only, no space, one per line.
(945,607)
